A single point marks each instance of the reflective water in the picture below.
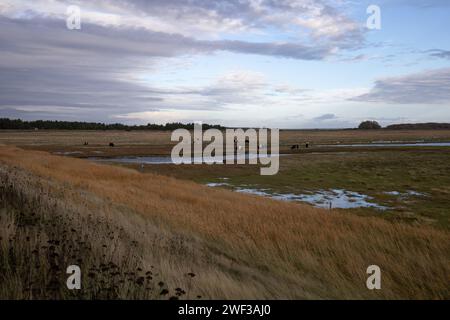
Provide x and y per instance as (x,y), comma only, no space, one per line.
(408,193)
(334,198)
(168,159)
(405,144)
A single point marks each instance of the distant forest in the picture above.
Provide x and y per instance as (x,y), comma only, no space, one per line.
(18,124)
(374,125)
(419,126)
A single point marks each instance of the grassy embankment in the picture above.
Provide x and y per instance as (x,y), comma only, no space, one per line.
(237,246)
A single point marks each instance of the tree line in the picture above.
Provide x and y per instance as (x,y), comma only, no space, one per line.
(371,125)
(17,124)
(419,126)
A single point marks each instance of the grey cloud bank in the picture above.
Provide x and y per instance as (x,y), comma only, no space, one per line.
(96,73)
(45,64)
(427,87)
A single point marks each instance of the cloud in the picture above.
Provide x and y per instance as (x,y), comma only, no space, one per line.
(427,87)
(321,18)
(235,90)
(439,53)
(94,72)
(44,64)
(327,116)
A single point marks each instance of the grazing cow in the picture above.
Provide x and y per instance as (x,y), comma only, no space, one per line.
(111,144)
(295,146)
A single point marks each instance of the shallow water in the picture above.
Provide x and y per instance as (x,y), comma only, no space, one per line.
(405,144)
(168,159)
(260,192)
(408,193)
(217,184)
(139,160)
(67,153)
(334,198)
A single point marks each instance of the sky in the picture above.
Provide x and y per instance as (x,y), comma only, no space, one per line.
(258,63)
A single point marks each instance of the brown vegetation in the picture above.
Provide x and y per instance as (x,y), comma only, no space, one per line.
(142,143)
(43,232)
(238,246)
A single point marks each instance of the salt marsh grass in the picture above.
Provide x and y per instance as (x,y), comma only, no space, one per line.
(207,243)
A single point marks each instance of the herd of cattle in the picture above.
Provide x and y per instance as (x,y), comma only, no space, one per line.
(293,147)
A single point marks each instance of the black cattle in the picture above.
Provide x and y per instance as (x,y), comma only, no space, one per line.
(111,144)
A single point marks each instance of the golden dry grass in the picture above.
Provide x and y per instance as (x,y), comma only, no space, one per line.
(78,137)
(249,247)
(43,231)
